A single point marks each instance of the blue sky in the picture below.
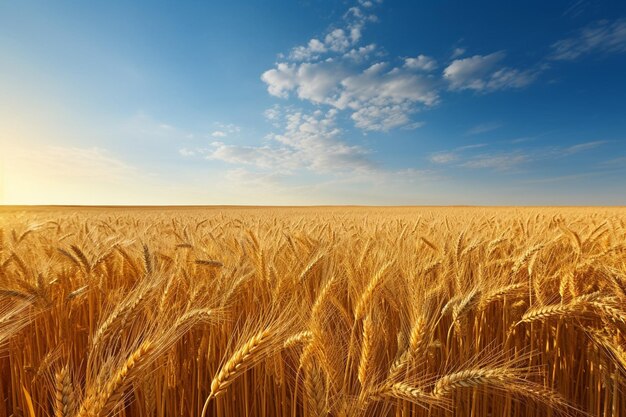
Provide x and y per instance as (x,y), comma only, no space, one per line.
(313,102)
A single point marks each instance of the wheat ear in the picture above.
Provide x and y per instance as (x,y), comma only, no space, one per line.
(366,350)
(239,361)
(303,337)
(404,391)
(103,400)
(368,292)
(547,312)
(314,386)
(248,354)
(64,394)
(470,378)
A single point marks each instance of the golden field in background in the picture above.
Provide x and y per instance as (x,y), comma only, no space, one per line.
(312,312)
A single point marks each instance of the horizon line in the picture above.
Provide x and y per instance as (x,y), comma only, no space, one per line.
(116,206)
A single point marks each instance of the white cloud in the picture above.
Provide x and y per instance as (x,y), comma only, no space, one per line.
(225,129)
(471,72)
(421,62)
(319,82)
(331,70)
(296,151)
(264,157)
(280,80)
(273,113)
(457,52)
(307,142)
(312,81)
(380,99)
(482,73)
(604,36)
(381,118)
(316,139)
(475,65)
(376,86)
(337,39)
(361,53)
(311,51)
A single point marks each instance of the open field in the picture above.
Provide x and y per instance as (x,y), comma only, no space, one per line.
(312,311)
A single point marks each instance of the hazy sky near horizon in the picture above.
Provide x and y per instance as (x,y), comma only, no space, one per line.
(313,102)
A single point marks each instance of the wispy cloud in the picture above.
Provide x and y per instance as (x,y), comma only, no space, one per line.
(457,52)
(145,125)
(483,128)
(604,36)
(444,157)
(507,160)
(254,180)
(75,162)
(582,147)
(522,139)
(307,142)
(619,161)
(472,146)
(561,178)
(484,73)
(223,130)
(576,8)
(497,162)
(71,174)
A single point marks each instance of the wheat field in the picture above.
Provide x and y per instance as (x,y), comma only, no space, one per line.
(312,312)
